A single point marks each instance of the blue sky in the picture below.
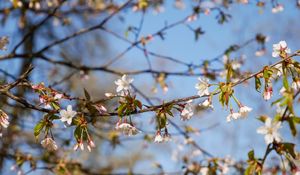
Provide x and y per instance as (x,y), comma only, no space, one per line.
(234,139)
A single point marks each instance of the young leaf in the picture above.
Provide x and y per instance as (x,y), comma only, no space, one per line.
(38,128)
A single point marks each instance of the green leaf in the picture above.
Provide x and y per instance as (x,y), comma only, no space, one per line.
(285,82)
(121,109)
(292,127)
(54,117)
(290,148)
(257,84)
(38,128)
(251,155)
(77,133)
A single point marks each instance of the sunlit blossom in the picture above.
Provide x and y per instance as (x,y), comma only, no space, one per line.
(296,84)
(207,103)
(123,83)
(233,116)
(202,86)
(158,138)
(280,48)
(270,130)
(268,93)
(67,115)
(244,110)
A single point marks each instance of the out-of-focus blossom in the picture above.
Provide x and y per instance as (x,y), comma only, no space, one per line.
(187,111)
(49,144)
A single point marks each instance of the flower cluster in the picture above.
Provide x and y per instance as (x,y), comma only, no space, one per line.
(187,111)
(48,96)
(159,137)
(49,144)
(126,128)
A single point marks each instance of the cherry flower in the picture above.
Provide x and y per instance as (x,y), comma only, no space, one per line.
(202,86)
(49,144)
(79,145)
(187,111)
(67,115)
(282,91)
(270,130)
(207,103)
(90,145)
(233,116)
(3,121)
(278,8)
(123,83)
(268,93)
(296,84)
(280,48)
(278,70)
(244,110)
(158,138)
(127,129)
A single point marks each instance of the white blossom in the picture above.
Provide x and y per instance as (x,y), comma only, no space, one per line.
(233,116)
(207,104)
(278,8)
(67,115)
(244,110)
(123,83)
(49,144)
(158,138)
(278,70)
(204,171)
(279,48)
(127,129)
(187,111)
(296,85)
(268,93)
(282,90)
(202,87)
(270,130)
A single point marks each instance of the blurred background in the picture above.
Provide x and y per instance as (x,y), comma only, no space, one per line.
(139,154)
